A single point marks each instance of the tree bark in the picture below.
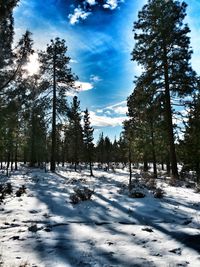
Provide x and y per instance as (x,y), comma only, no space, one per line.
(168,112)
(130,168)
(153,151)
(53,134)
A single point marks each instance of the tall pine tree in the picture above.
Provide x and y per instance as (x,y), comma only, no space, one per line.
(163,50)
(56,70)
(88,140)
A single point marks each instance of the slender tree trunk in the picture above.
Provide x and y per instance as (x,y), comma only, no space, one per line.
(130,169)
(91,172)
(168,111)
(145,168)
(8,163)
(168,165)
(53,134)
(16,155)
(75,166)
(162,166)
(32,153)
(153,152)
(197,169)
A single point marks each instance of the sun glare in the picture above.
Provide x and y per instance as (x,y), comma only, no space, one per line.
(33,65)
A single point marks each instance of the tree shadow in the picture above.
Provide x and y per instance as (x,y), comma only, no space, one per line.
(69,246)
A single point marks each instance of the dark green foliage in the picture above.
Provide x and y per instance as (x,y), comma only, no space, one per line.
(59,79)
(163,49)
(75,132)
(88,140)
(190,146)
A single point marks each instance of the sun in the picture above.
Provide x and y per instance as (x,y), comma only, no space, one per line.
(33,65)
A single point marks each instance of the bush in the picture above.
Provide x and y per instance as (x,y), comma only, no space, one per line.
(159,193)
(21,191)
(81,194)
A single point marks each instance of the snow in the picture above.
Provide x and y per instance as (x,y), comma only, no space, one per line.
(43,228)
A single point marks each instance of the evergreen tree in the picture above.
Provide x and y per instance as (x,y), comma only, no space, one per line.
(56,70)
(88,140)
(163,49)
(190,146)
(75,132)
(108,151)
(100,149)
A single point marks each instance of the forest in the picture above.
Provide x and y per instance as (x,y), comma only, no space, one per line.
(139,182)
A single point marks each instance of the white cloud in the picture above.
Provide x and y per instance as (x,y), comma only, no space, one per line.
(83,86)
(79,87)
(111,4)
(105,121)
(78,14)
(91,2)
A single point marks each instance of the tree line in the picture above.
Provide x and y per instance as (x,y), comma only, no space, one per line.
(38,125)
(163,110)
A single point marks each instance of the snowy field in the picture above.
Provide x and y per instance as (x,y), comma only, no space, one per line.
(43,228)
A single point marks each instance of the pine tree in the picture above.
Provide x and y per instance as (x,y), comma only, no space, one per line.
(100,149)
(56,70)
(163,49)
(190,145)
(75,132)
(88,140)
(11,60)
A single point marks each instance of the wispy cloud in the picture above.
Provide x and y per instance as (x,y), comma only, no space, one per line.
(116,109)
(105,121)
(95,78)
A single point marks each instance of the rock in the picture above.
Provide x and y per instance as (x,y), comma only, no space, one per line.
(136,194)
(177,251)
(33,228)
(147,229)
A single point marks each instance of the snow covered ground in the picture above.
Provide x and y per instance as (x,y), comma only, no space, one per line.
(43,228)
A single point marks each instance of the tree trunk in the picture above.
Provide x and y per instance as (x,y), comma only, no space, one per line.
(197,169)
(16,155)
(168,112)
(162,166)
(91,173)
(32,154)
(8,163)
(145,167)
(168,165)
(130,169)
(153,151)
(53,134)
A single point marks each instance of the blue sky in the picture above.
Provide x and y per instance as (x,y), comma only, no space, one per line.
(99,37)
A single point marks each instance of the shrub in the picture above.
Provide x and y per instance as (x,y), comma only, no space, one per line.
(159,193)
(21,191)
(81,194)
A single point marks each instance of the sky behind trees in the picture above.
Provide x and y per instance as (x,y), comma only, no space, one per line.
(100,39)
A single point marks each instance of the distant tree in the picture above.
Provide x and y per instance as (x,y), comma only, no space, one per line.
(33,113)
(88,140)
(100,149)
(55,69)
(75,132)
(190,145)
(163,49)
(108,150)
